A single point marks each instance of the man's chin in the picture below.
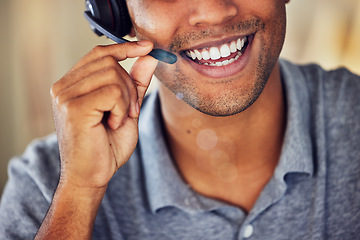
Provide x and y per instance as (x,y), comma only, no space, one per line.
(222,106)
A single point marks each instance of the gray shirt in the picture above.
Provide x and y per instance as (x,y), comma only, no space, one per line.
(313,194)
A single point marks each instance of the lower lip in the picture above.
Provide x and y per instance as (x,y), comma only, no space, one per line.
(223,71)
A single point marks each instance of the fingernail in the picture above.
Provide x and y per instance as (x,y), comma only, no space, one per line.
(143,43)
(137,107)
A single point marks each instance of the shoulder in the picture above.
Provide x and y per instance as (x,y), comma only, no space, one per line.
(41,163)
(33,178)
(335,98)
(335,117)
(334,95)
(337,85)
(332,82)
(330,104)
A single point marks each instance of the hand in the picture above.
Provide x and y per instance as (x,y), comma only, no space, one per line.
(96,108)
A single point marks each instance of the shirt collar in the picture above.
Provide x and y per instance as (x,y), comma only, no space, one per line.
(296,155)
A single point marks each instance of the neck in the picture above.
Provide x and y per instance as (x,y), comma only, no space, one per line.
(228,158)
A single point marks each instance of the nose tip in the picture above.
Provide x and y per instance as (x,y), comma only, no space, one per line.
(211,12)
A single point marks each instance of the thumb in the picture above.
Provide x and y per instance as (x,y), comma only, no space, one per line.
(141,74)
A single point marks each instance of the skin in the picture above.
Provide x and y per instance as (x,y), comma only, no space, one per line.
(97,104)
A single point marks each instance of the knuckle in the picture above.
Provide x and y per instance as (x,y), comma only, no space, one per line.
(60,99)
(115,91)
(112,72)
(110,61)
(68,108)
(54,90)
(118,93)
(59,85)
(97,48)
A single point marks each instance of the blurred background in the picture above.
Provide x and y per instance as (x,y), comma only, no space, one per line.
(41,40)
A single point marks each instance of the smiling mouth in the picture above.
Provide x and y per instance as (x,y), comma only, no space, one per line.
(218,56)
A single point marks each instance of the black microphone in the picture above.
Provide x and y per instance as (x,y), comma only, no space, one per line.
(157,53)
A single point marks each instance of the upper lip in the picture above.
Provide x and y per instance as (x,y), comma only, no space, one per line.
(214,43)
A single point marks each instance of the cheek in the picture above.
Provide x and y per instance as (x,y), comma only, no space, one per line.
(278,24)
(266,10)
(151,20)
(141,16)
(273,14)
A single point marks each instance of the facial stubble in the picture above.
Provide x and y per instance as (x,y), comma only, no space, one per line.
(229,100)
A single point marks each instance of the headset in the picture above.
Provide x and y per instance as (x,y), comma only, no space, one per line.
(111,18)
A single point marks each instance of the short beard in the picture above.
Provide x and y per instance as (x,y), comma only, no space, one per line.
(224,103)
(230,101)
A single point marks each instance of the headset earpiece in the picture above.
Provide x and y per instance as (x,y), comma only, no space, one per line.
(111,18)
(111,15)
(121,16)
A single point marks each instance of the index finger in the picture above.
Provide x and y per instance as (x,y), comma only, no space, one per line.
(118,51)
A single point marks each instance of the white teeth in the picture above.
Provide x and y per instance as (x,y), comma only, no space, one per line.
(198,55)
(238,44)
(233,47)
(205,54)
(237,56)
(214,53)
(225,62)
(192,54)
(225,50)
